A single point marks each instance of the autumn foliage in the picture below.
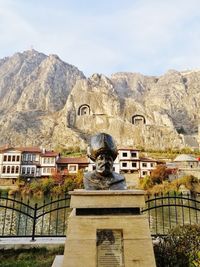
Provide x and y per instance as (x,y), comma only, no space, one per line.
(160,174)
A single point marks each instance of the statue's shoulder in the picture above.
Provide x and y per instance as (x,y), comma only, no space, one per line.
(118,182)
(118,177)
(88,175)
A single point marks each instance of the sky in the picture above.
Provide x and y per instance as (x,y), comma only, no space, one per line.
(106,36)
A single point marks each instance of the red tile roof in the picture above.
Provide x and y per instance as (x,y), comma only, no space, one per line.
(29,149)
(75,160)
(5,148)
(149,160)
(129,149)
(49,154)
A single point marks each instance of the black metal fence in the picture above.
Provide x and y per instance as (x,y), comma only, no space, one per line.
(166,211)
(20,218)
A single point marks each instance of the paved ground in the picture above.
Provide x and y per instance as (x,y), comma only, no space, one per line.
(16,243)
(58,261)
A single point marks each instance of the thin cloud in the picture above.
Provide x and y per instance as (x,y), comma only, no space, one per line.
(144,36)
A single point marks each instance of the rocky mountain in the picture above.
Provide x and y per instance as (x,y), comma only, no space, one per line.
(45,101)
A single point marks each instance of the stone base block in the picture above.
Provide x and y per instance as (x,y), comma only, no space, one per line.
(58,261)
(81,244)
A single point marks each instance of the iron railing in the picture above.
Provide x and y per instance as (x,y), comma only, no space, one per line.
(20,218)
(166,211)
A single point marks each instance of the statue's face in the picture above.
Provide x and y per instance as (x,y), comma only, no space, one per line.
(104,164)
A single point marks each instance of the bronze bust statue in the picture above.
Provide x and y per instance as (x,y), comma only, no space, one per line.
(103,152)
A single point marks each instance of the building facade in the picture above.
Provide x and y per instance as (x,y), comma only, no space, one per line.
(10,163)
(34,162)
(71,165)
(26,162)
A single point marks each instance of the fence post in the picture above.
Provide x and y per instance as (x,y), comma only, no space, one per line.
(34,222)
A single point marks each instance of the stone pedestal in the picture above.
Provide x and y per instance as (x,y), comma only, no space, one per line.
(106,229)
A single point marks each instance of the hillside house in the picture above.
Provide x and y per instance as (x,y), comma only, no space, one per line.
(30,162)
(71,165)
(26,162)
(48,162)
(10,163)
(146,165)
(128,160)
(186,165)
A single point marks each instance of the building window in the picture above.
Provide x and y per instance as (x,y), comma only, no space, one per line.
(24,157)
(144,173)
(9,158)
(13,158)
(124,154)
(34,157)
(152,165)
(4,169)
(32,170)
(18,158)
(23,170)
(144,164)
(29,157)
(8,169)
(17,169)
(28,170)
(13,169)
(47,160)
(124,164)
(72,168)
(134,164)
(5,158)
(133,155)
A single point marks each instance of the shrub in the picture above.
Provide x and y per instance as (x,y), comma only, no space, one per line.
(180,248)
(35,186)
(145,183)
(47,185)
(160,174)
(69,184)
(58,177)
(73,181)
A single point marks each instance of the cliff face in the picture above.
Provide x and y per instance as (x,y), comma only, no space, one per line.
(45,101)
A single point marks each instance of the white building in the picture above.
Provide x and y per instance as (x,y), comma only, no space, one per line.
(146,166)
(128,160)
(48,162)
(10,163)
(186,165)
(26,162)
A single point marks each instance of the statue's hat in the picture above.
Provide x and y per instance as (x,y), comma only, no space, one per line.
(102,143)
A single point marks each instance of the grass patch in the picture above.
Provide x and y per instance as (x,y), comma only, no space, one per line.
(34,257)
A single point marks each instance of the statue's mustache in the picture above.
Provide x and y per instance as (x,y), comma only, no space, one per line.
(107,165)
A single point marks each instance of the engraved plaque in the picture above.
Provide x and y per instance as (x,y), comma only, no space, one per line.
(110,252)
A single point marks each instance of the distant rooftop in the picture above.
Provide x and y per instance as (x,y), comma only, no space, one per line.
(75,160)
(185,157)
(129,148)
